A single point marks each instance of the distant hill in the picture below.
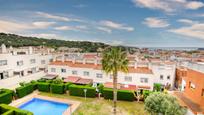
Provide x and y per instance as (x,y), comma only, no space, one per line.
(19,41)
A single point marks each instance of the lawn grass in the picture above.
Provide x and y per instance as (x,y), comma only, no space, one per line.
(95,106)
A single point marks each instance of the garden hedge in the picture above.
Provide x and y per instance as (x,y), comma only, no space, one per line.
(9,110)
(66,85)
(78,90)
(121,94)
(44,87)
(6,96)
(100,88)
(24,90)
(57,88)
(146,93)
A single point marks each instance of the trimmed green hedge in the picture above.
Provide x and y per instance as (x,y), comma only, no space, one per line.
(24,90)
(44,87)
(57,88)
(121,94)
(78,90)
(146,93)
(125,95)
(100,88)
(9,110)
(6,96)
(66,85)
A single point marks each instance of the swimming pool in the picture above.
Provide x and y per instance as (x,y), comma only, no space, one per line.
(44,107)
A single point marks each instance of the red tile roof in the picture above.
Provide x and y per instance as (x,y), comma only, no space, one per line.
(72,79)
(144,70)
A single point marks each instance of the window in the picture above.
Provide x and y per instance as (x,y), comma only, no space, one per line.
(161,77)
(168,77)
(86,73)
(32,61)
(19,63)
(63,70)
(98,75)
(144,80)
(202,94)
(42,61)
(53,70)
(74,72)
(192,86)
(128,78)
(3,62)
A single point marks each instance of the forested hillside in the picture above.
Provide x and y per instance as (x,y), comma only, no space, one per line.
(19,41)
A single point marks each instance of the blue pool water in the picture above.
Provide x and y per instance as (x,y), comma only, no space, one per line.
(44,107)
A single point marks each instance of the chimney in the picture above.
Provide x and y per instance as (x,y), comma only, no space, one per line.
(30,50)
(135,66)
(3,48)
(95,61)
(74,60)
(84,61)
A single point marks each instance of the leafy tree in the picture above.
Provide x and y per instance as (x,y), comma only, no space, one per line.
(164,104)
(114,60)
(157,87)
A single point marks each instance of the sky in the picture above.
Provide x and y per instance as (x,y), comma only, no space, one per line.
(140,23)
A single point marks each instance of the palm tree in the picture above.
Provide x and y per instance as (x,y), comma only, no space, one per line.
(114,60)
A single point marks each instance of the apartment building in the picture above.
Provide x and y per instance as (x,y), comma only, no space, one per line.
(19,62)
(142,74)
(191,80)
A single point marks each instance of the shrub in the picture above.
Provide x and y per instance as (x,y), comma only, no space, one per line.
(121,94)
(41,80)
(66,85)
(78,90)
(100,88)
(6,96)
(9,110)
(125,95)
(157,87)
(57,88)
(35,84)
(44,87)
(24,90)
(164,104)
(22,83)
(57,81)
(108,93)
(146,93)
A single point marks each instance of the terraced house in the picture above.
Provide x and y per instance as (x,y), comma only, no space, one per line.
(142,73)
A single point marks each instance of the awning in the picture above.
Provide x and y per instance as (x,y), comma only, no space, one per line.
(49,77)
(128,87)
(110,85)
(72,79)
(83,81)
(144,87)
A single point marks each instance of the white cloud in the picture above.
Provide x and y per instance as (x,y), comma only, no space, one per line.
(169,5)
(194,5)
(105,29)
(59,18)
(114,25)
(187,21)
(154,22)
(42,24)
(11,26)
(73,28)
(195,31)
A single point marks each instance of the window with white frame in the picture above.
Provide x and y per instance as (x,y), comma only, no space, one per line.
(99,75)
(32,61)
(86,73)
(128,78)
(53,70)
(3,62)
(144,80)
(63,70)
(19,63)
(74,72)
(42,61)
